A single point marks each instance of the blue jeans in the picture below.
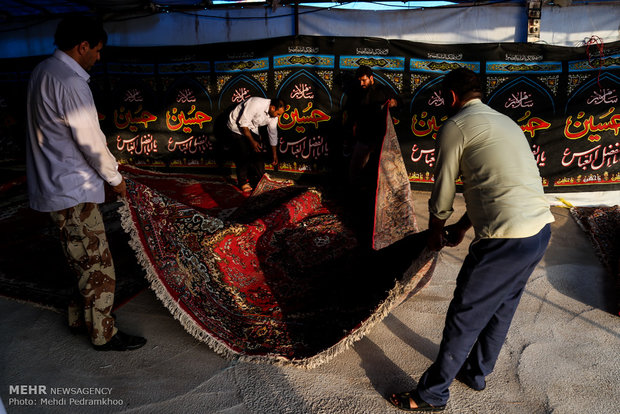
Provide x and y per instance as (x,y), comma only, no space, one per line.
(488,289)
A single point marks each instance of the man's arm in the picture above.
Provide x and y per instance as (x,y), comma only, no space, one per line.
(121,189)
(245,131)
(244,122)
(81,117)
(448,152)
(455,233)
(435,240)
(393,103)
(387,97)
(272,131)
(274,155)
(441,235)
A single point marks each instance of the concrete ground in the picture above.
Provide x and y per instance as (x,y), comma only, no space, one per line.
(562,354)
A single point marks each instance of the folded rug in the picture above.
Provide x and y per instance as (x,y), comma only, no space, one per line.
(602,225)
(394,215)
(277,277)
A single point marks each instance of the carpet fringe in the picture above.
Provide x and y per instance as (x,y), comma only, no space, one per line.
(413,276)
(398,294)
(160,290)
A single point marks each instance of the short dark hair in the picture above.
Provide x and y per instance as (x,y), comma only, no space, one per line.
(461,81)
(73,30)
(278,103)
(363,70)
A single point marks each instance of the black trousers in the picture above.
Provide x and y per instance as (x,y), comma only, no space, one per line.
(488,289)
(250,164)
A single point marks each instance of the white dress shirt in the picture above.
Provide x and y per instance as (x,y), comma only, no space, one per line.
(67,158)
(254,113)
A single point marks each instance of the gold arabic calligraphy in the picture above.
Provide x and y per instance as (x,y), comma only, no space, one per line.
(175,121)
(533,124)
(190,145)
(140,144)
(596,158)
(315,116)
(422,128)
(124,118)
(580,127)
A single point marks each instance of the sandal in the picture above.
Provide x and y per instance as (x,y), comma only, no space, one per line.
(403,401)
(246,188)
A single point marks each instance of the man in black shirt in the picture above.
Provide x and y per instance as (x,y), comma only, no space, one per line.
(366,120)
(367,117)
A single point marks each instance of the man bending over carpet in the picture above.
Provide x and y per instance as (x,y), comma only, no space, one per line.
(243,123)
(510,215)
(68,164)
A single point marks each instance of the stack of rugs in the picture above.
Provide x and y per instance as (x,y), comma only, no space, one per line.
(602,225)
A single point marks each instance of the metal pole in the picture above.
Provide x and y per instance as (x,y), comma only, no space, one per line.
(296,18)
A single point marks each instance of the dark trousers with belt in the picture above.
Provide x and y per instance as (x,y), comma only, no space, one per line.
(250,165)
(488,289)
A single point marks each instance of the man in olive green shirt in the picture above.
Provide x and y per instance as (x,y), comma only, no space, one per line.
(507,208)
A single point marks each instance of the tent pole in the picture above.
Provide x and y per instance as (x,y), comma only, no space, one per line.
(296,18)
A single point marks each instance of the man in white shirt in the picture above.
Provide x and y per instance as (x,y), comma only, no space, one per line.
(243,122)
(68,164)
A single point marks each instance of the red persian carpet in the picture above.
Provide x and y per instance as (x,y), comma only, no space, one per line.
(602,225)
(277,277)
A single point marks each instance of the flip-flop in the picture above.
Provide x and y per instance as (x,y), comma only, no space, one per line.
(246,188)
(403,401)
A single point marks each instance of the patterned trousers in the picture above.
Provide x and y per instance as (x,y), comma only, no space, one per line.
(83,238)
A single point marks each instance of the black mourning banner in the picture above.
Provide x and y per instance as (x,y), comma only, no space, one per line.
(168,106)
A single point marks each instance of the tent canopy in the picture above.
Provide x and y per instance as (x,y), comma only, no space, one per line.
(28,25)
(28,11)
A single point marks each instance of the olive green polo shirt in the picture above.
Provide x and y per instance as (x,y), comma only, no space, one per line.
(501,182)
